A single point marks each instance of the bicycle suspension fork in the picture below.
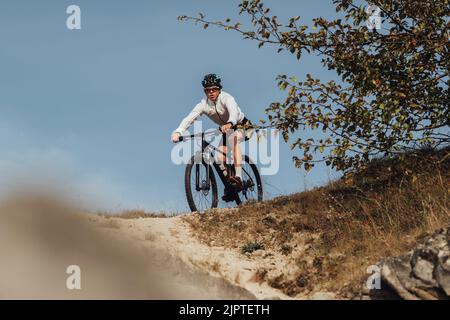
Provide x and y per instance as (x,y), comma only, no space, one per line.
(199,187)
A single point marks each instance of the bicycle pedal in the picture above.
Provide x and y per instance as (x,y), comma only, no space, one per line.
(228,198)
(237,187)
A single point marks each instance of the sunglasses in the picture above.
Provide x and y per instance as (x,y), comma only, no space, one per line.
(208,90)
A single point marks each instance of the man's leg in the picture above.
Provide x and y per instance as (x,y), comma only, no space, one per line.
(233,138)
(222,155)
(237,138)
(236,180)
(221,160)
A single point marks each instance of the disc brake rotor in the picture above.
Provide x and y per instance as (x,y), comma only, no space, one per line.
(204,188)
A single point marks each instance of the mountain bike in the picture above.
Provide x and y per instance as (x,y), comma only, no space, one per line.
(200,181)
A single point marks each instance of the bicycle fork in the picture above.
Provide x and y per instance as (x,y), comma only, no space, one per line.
(202,184)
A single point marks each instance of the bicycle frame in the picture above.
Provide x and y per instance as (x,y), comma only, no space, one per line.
(207,152)
(209,148)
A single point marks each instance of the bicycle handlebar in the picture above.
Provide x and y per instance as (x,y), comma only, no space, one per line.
(197,135)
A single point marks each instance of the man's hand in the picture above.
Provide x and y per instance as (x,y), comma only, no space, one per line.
(175,137)
(226,127)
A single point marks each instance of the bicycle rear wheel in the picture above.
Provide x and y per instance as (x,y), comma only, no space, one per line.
(253,189)
(200,186)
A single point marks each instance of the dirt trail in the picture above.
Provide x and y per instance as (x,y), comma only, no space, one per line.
(140,258)
(222,273)
(118,258)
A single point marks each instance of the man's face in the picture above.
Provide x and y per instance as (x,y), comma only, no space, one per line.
(212,93)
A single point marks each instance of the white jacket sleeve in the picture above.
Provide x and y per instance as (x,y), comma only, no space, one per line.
(189,120)
(233,109)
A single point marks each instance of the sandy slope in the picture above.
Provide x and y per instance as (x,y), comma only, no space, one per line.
(222,269)
(140,258)
(40,239)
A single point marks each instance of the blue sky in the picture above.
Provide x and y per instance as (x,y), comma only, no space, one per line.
(94,108)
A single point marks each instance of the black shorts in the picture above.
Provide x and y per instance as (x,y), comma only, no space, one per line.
(246,127)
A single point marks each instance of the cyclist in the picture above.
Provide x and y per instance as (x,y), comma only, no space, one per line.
(221,108)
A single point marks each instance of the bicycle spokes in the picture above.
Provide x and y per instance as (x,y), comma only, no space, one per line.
(202,193)
(249,191)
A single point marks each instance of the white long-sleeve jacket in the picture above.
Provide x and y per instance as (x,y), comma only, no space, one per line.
(224,110)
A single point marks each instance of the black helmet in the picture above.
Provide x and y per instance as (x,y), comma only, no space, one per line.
(211,80)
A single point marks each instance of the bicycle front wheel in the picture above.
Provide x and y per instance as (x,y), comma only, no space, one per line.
(200,186)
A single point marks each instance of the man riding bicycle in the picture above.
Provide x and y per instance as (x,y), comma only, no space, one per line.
(222,109)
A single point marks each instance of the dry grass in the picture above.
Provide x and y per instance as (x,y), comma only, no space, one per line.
(134,214)
(351,223)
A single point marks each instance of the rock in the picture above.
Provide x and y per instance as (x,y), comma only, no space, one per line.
(423,270)
(442,274)
(258,253)
(423,273)
(365,290)
(323,296)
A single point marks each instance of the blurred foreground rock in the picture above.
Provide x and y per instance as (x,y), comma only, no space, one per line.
(41,238)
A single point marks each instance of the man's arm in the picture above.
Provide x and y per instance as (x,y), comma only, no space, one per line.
(189,120)
(233,109)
